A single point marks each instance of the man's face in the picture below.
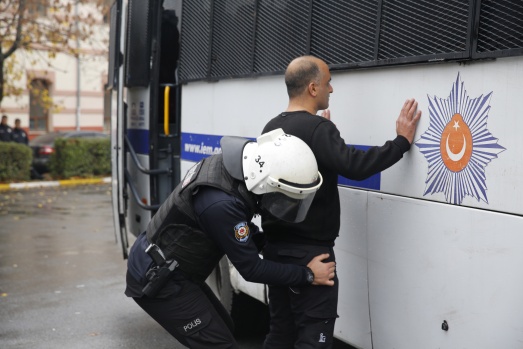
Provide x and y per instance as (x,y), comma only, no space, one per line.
(324,87)
(4,121)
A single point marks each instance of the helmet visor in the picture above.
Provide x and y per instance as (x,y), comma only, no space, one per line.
(288,209)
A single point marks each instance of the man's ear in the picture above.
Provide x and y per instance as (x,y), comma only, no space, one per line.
(312,89)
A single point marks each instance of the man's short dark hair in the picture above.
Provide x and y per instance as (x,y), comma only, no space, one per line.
(299,78)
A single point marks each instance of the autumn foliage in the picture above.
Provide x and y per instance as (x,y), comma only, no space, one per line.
(42,29)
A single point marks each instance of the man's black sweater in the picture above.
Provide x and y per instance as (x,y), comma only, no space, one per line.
(334,158)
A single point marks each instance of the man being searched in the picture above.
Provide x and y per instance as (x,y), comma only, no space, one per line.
(304,317)
(19,135)
(5,130)
(208,215)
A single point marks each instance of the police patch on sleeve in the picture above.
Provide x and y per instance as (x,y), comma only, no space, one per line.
(191,174)
(241,232)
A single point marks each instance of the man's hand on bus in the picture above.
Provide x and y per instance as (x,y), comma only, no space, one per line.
(408,120)
(323,272)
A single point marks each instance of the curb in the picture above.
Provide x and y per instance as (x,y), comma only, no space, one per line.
(65,182)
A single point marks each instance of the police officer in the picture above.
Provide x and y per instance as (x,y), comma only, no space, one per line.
(18,134)
(208,215)
(5,130)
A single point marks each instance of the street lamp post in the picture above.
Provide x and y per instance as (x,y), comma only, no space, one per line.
(77,69)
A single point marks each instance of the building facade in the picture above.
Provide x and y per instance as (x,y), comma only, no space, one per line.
(74,86)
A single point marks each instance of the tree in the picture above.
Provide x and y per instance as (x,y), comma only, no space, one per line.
(48,27)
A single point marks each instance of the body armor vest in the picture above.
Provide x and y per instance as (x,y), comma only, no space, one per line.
(175,229)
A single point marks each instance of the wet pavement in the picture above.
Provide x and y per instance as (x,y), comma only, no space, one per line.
(62,275)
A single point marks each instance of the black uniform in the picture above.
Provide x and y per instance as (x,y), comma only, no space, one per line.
(6,133)
(20,136)
(310,313)
(207,215)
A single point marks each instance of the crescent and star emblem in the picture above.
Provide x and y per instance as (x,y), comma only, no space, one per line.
(458,156)
(456,144)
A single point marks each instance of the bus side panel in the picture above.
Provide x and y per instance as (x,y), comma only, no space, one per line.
(353,326)
(366,103)
(431,263)
(239,107)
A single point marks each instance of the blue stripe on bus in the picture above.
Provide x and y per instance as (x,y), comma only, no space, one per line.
(139,140)
(373,182)
(196,146)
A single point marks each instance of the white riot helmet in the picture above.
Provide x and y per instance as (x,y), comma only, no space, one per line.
(281,168)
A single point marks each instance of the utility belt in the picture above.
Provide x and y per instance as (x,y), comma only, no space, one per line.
(159,273)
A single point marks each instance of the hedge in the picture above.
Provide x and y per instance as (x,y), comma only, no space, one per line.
(15,162)
(76,157)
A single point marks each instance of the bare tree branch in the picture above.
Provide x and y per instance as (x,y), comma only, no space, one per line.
(16,43)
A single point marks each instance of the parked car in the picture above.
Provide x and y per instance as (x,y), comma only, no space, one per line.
(43,146)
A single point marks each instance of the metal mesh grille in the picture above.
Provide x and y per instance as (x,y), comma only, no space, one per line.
(138,53)
(344,31)
(228,38)
(114,47)
(281,34)
(423,27)
(195,40)
(233,33)
(501,25)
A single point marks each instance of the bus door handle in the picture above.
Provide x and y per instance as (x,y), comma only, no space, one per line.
(166,112)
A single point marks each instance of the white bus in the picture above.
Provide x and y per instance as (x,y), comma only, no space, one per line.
(429,250)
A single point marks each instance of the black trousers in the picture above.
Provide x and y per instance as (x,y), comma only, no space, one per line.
(301,317)
(194,316)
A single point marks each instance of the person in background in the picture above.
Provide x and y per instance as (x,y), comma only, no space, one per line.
(304,317)
(207,216)
(6,132)
(18,134)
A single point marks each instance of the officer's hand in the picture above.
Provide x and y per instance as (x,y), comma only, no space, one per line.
(408,120)
(323,272)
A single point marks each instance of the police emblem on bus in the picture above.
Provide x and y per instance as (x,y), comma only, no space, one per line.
(458,145)
(241,232)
